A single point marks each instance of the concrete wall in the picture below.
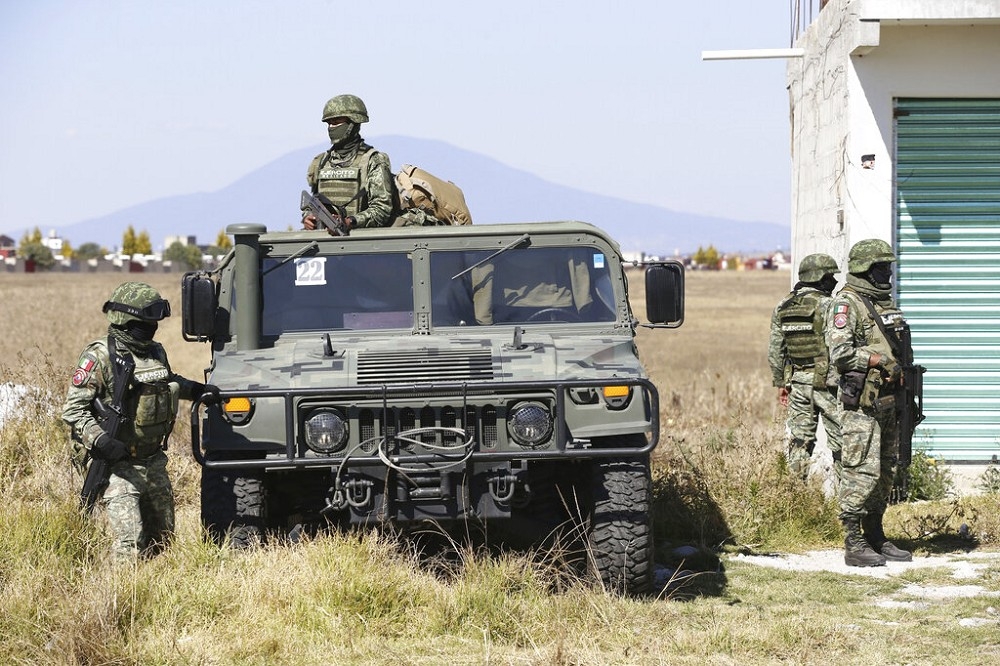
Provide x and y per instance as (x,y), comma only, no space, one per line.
(860,55)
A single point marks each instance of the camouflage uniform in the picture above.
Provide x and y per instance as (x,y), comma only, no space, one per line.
(351,173)
(870,433)
(799,363)
(138,500)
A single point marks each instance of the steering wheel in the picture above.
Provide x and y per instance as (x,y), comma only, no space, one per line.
(555,314)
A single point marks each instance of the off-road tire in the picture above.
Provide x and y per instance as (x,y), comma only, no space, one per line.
(231,506)
(620,537)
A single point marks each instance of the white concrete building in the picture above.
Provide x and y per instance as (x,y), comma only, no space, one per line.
(895,134)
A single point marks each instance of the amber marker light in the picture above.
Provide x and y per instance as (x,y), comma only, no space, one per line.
(237,410)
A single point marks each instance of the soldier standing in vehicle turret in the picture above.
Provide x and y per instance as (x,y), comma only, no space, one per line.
(139,499)
(799,361)
(353,176)
(863,333)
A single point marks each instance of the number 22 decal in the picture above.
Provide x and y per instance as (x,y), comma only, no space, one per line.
(310,271)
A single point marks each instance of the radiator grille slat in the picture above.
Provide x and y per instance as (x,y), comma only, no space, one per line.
(425,366)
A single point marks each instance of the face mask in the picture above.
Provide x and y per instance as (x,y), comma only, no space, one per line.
(828,283)
(880,274)
(339,133)
(141,331)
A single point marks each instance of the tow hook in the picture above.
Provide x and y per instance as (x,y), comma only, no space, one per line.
(354,492)
(359,492)
(502,487)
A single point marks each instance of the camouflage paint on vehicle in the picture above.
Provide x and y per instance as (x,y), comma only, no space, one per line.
(450,374)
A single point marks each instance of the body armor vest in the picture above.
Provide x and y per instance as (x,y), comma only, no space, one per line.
(801,318)
(802,325)
(893,321)
(153,400)
(342,181)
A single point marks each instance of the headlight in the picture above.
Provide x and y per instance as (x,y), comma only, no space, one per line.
(326,431)
(530,423)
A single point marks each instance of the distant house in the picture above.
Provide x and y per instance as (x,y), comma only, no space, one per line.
(7,247)
(895,114)
(183,240)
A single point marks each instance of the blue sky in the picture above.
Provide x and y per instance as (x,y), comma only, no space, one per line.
(106,104)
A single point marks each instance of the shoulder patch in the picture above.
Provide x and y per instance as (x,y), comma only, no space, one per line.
(83,370)
(840,319)
(841,308)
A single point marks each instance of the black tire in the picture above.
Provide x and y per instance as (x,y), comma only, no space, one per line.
(231,506)
(620,538)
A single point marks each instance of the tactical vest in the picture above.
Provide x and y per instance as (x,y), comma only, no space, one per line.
(892,319)
(343,182)
(801,317)
(876,394)
(153,400)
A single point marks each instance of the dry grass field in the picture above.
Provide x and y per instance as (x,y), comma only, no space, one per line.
(365,598)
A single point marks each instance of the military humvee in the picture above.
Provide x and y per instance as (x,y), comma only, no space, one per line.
(480,375)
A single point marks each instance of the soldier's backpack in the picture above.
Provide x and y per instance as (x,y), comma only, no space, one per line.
(416,189)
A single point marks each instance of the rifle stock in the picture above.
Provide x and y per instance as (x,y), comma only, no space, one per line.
(316,206)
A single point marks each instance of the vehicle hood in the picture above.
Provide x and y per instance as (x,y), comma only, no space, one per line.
(375,360)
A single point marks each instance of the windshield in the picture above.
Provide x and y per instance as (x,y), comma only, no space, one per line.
(521,285)
(355,291)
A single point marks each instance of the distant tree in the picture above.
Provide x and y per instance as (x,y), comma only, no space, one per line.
(707,257)
(67,250)
(32,238)
(41,255)
(89,251)
(143,244)
(732,263)
(222,242)
(129,241)
(221,247)
(188,256)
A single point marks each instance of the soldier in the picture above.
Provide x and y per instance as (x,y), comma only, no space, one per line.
(138,499)
(355,177)
(862,333)
(800,365)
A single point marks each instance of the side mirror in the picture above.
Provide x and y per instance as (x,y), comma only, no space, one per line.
(665,294)
(199,302)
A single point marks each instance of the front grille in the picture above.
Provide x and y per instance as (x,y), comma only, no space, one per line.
(480,423)
(425,366)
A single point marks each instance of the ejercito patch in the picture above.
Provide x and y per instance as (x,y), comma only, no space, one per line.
(840,320)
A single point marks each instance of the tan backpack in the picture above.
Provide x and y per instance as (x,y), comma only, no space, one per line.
(418,189)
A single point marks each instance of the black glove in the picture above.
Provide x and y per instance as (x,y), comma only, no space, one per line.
(208,393)
(110,449)
(891,369)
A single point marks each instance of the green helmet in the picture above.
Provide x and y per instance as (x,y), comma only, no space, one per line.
(867,252)
(815,266)
(348,106)
(135,301)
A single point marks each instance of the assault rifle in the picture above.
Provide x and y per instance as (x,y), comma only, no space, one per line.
(909,397)
(320,207)
(112,415)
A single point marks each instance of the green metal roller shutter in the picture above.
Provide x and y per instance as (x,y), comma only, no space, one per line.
(948,243)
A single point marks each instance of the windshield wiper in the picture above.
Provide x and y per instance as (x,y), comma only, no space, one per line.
(520,241)
(295,255)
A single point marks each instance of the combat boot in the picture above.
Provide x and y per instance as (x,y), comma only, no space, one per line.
(874,534)
(857,552)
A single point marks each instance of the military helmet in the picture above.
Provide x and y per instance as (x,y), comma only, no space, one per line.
(867,252)
(815,266)
(135,301)
(348,106)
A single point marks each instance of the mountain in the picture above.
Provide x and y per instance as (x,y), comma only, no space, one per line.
(495,192)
